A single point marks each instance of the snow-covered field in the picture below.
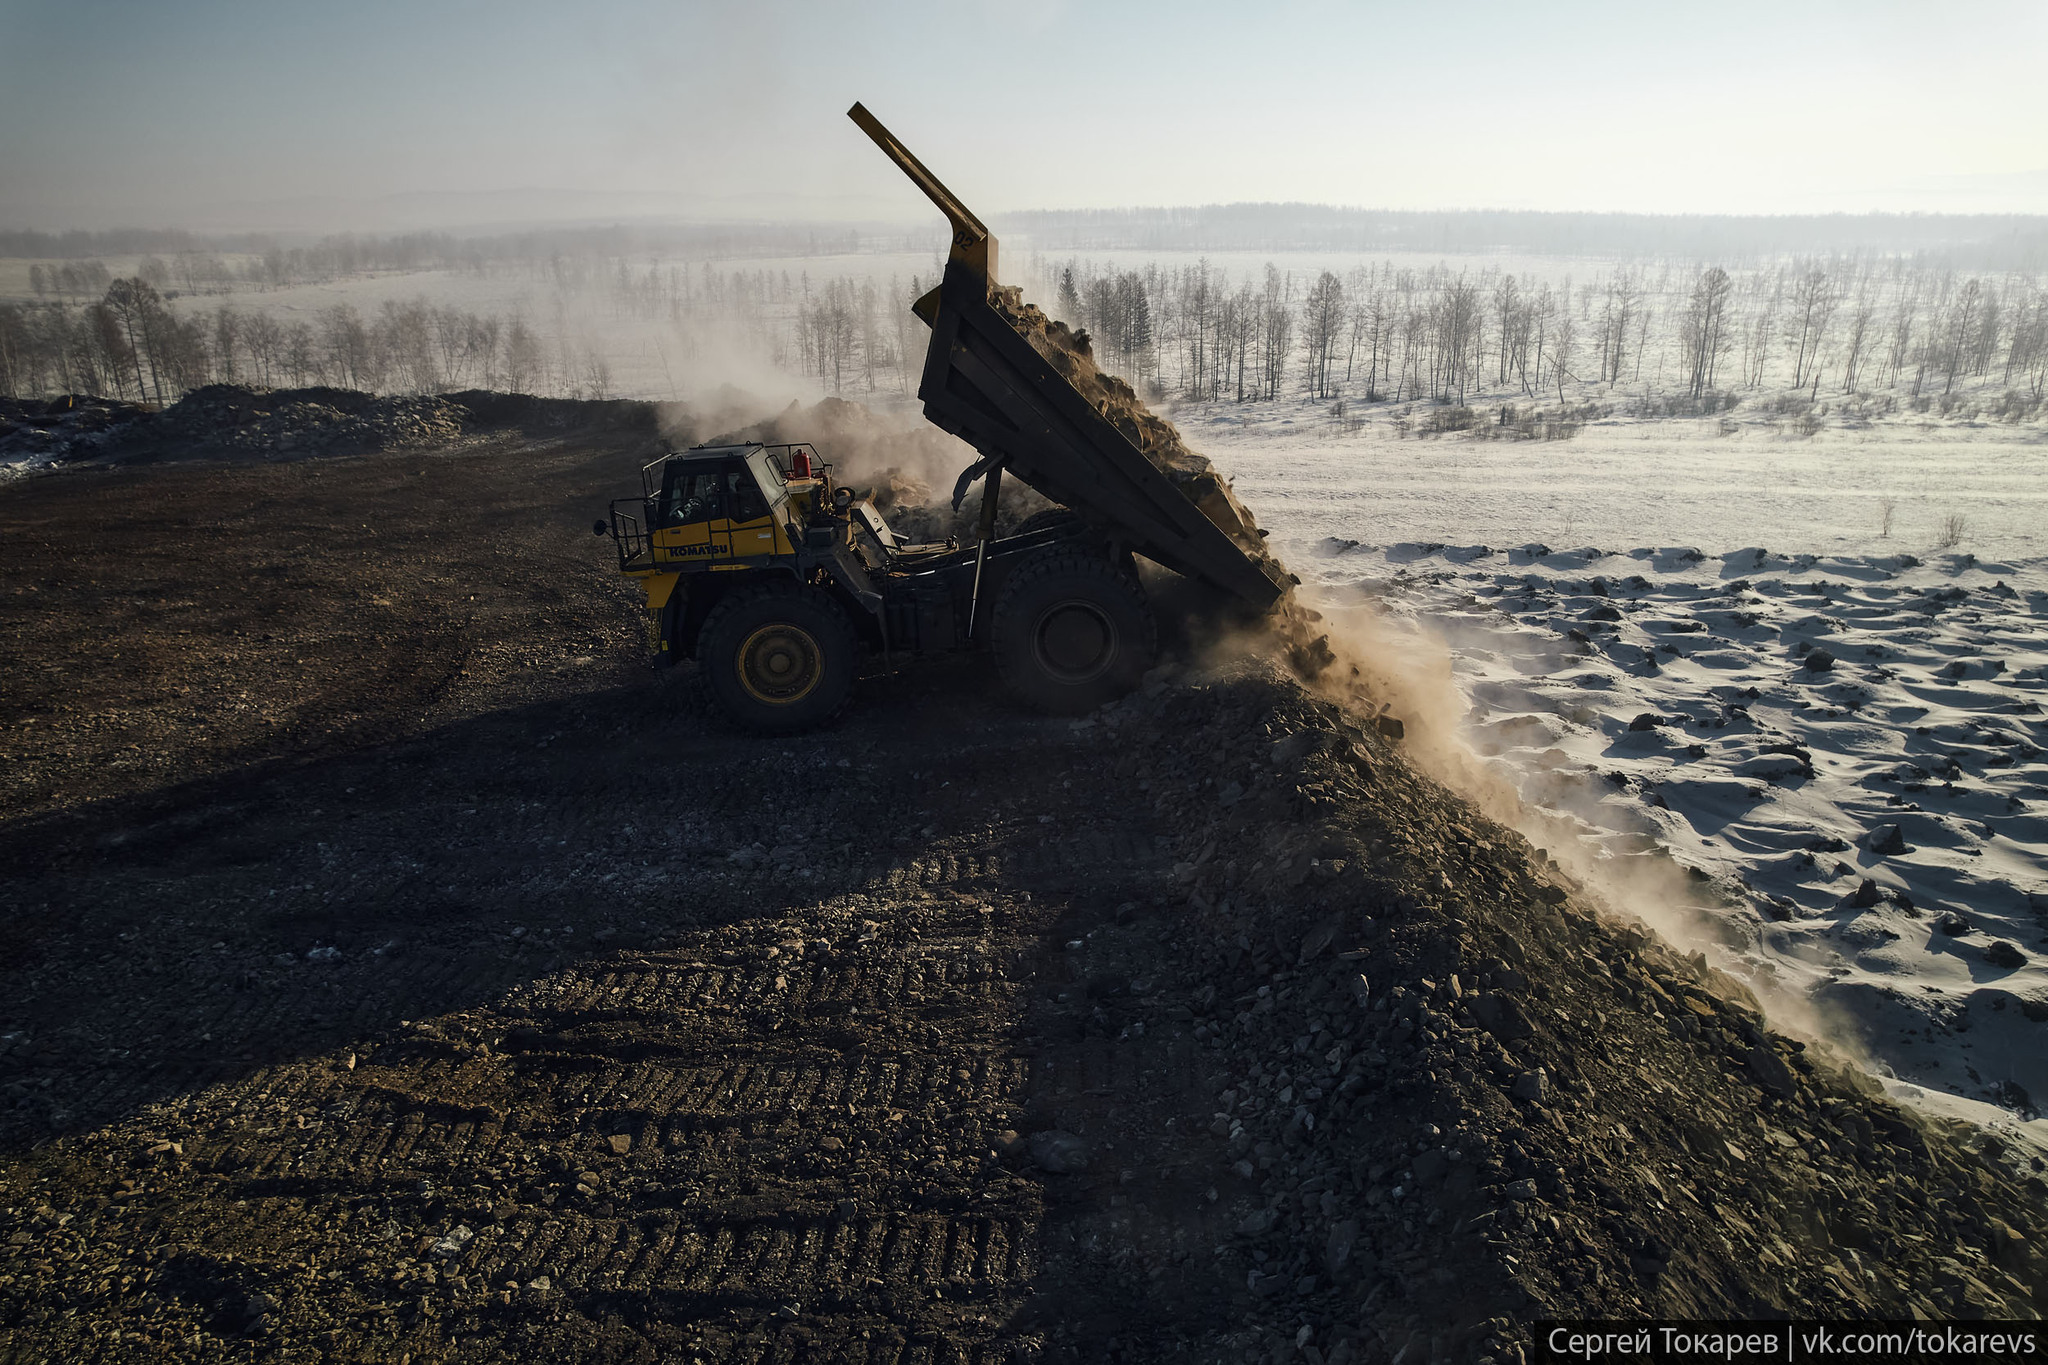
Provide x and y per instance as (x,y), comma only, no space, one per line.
(1703,648)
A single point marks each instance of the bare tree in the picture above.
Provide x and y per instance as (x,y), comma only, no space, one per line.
(134,306)
(1617,323)
(1507,310)
(300,355)
(1702,329)
(1276,330)
(1197,316)
(1758,331)
(1856,344)
(1561,351)
(1322,322)
(1813,304)
(1543,313)
(1456,355)
(1905,312)
(350,356)
(2027,348)
(227,339)
(1237,322)
(523,358)
(1953,339)
(262,339)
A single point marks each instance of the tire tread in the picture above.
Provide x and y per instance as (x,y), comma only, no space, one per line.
(740,599)
(1054,561)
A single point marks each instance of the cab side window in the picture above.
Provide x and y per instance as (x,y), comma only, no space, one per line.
(693,496)
(743,499)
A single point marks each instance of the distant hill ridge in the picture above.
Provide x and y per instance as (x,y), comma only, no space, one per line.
(1965,241)
(1983,241)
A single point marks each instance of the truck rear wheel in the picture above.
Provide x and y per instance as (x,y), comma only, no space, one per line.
(780,657)
(1072,631)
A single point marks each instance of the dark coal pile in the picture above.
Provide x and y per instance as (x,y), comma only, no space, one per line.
(35,433)
(227,421)
(1447,1088)
(235,421)
(399,969)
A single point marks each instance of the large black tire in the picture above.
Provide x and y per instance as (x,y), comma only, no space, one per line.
(1072,631)
(779,657)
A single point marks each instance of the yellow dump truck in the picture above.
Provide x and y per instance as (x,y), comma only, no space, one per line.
(780,583)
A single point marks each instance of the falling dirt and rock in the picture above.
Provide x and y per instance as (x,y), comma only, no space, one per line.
(396,970)
(1072,354)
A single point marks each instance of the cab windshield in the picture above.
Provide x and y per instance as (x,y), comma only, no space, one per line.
(694,492)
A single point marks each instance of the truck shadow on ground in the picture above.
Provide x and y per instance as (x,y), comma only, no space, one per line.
(177,938)
(598,974)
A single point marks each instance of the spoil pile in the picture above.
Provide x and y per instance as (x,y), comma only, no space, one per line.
(232,422)
(1447,1087)
(37,433)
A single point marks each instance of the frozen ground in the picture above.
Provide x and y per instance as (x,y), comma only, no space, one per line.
(1621,483)
(1701,647)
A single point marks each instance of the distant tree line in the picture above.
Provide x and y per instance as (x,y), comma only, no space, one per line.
(1690,336)
(196,264)
(1449,334)
(130,344)
(1963,242)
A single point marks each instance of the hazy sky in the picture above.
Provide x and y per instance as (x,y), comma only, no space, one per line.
(225,113)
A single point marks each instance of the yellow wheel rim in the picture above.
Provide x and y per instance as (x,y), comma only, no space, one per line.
(780,664)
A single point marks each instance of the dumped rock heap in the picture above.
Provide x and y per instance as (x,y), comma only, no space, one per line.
(1450,1088)
(306,421)
(37,433)
(228,421)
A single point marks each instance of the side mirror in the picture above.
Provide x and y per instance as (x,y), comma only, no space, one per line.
(599,527)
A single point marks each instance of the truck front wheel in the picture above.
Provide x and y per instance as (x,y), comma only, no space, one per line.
(1072,631)
(779,656)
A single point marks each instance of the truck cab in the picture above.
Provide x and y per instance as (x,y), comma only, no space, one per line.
(720,505)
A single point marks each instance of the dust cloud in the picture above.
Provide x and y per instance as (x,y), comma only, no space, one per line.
(888,454)
(1361,660)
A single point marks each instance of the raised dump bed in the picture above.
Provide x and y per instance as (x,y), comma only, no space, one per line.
(985,382)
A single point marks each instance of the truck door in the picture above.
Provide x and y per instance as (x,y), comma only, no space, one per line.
(692,504)
(747,528)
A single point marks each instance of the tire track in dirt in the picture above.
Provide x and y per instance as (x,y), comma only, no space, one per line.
(776,1132)
(759,1123)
